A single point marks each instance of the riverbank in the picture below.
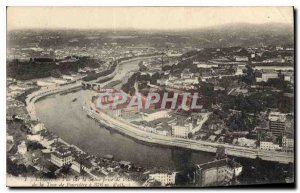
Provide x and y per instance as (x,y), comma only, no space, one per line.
(133,131)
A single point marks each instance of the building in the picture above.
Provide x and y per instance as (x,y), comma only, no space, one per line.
(45,83)
(266,75)
(241,59)
(61,156)
(121,110)
(164,129)
(180,131)
(273,68)
(113,112)
(164,178)
(243,141)
(37,128)
(76,166)
(289,76)
(80,164)
(239,91)
(22,148)
(130,112)
(9,138)
(274,60)
(287,144)
(50,82)
(162,81)
(209,66)
(240,70)
(194,80)
(150,115)
(186,74)
(182,84)
(277,123)
(270,146)
(34,137)
(68,77)
(217,172)
(149,129)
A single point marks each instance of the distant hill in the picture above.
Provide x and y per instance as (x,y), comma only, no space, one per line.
(248,27)
(227,35)
(244,34)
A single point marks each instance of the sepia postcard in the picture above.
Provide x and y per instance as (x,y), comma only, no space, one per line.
(150,97)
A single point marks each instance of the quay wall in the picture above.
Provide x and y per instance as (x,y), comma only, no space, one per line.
(133,131)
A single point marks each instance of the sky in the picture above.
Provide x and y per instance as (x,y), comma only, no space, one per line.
(141,17)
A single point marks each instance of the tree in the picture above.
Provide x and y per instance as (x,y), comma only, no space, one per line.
(285,104)
(156,76)
(206,89)
(249,77)
(226,83)
(34,145)
(207,102)
(220,152)
(142,67)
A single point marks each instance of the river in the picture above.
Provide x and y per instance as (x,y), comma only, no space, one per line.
(69,122)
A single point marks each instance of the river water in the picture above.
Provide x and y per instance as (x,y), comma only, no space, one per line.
(67,119)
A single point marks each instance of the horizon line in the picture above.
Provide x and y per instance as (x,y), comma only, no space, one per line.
(149,29)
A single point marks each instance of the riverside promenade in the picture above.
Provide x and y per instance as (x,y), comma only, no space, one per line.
(133,131)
